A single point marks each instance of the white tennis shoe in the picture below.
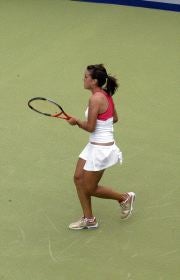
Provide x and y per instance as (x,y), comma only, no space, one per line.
(127,206)
(84,223)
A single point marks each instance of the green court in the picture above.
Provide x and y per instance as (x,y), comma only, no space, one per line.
(44,48)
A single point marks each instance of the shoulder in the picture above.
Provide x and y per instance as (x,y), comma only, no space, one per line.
(96,98)
(94,104)
(99,96)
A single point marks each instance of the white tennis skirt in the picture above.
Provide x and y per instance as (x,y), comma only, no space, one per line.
(100,157)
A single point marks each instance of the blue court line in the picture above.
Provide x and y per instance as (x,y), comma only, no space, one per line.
(139,3)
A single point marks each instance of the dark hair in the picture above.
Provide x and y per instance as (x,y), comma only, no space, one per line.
(107,82)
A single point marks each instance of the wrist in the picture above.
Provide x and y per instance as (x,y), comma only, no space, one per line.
(78,122)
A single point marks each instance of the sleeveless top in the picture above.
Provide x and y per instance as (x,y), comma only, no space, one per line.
(103,132)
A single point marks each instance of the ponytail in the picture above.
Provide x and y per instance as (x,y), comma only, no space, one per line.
(111,85)
(105,81)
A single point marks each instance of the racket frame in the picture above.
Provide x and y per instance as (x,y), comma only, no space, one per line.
(61,115)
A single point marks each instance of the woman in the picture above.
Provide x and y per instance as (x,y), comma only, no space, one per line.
(101,151)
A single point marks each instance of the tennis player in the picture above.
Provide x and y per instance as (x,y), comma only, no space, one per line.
(101,152)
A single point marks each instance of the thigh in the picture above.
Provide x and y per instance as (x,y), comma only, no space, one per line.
(88,179)
(79,171)
(91,179)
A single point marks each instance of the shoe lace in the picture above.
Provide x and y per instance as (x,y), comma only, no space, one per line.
(124,203)
(89,220)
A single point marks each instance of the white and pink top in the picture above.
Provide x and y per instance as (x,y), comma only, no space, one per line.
(103,132)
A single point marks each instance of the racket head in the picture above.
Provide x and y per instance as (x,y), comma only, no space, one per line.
(47,107)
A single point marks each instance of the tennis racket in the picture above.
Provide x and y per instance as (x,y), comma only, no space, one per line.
(47,107)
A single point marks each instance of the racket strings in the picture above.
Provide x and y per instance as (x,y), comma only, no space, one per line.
(45,107)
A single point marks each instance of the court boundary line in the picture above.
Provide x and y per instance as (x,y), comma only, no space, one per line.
(139,3)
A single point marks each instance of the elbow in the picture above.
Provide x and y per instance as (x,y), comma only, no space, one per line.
(115,120)
(90,129)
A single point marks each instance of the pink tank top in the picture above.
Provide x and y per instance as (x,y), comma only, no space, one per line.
(110,109)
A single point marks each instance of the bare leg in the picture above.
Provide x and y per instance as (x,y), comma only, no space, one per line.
(84,199)
(87,185)
(108,193)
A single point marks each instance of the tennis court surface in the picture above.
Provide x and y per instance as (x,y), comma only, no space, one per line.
(45,47)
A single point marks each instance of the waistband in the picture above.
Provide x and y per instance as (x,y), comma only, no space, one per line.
(102,144)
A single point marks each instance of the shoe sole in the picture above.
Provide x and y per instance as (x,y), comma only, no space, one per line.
(133,195)
(87,227)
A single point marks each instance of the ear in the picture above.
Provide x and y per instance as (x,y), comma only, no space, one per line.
(95,82)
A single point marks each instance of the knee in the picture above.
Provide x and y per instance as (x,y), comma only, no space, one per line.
(78,179)
(81,184)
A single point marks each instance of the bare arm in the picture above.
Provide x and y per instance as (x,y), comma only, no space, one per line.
(95,103)
(90,124)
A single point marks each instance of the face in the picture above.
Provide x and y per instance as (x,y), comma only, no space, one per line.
(88,81)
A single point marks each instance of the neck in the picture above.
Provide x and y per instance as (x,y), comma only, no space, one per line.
(96,89)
